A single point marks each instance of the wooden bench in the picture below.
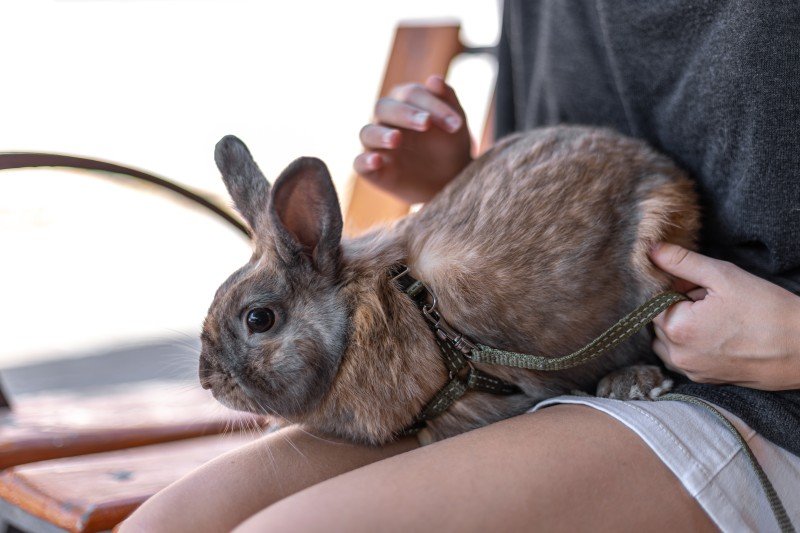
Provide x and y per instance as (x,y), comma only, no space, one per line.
(54,479)
(43,483)
(96,492)
(63,425)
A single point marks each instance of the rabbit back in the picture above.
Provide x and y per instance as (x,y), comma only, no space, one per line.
(542,243)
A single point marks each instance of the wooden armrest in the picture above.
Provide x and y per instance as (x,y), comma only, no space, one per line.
(63,425)
(96,492)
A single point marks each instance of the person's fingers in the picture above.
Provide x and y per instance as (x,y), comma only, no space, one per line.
(442,114)
(374,137)
(697,294)
(439,87)
(662,351)
(659,333)
(686,264)
(672,325)
(368,162)
(660,320)
(661,346)
(391,112)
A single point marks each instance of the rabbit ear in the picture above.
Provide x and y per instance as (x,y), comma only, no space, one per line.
(306,213)
(246,184)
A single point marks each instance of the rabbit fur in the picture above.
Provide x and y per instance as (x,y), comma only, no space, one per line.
(537,247)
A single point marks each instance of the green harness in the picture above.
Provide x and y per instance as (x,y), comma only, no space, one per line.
(459,355)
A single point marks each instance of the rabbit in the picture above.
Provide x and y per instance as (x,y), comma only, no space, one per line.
(537,246)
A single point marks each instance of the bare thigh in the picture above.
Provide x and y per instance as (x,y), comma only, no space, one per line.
(565,468)
(224,492)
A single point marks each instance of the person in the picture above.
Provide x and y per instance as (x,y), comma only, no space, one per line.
(715,86)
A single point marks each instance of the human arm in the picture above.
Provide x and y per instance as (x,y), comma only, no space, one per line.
(417,142)
(738,328)
(230,488)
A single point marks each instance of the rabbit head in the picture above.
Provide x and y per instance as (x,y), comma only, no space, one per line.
(277,327)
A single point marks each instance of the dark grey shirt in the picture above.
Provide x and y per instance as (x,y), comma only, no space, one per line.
(713,84)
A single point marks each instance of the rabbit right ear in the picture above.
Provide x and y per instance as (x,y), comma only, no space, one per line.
(245,183)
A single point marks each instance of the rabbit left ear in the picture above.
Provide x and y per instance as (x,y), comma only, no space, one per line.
(246,184)
(306,214)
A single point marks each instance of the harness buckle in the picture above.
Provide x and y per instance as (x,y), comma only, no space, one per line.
(402,271)
(444,330)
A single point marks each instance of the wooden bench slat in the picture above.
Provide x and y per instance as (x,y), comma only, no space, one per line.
(96,492)
(64,425)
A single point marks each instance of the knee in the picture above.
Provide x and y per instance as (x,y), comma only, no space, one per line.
(320,508)
(282,516)
(142,520)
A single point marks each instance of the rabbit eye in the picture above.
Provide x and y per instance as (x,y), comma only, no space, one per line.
(260,319)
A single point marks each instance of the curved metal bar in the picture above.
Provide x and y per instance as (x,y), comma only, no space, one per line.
(18,160)
(15,160)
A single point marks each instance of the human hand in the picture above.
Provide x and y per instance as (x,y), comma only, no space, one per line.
(418,141)
(738,329)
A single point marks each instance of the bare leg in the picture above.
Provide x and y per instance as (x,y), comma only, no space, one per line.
(224,492)
(566,468)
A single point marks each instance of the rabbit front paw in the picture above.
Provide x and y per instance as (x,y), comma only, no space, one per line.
(637,382)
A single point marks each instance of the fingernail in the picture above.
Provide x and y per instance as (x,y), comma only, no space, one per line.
(374,161)
(389,138)
(655,248)
(453,123)
(421,119)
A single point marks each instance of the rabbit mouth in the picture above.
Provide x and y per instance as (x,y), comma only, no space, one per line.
(233,393)
(225,390)
(235,388)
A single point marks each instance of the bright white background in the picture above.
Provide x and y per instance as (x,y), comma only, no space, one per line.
(154,84)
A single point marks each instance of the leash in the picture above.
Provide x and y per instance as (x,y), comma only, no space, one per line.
(460,353)
(775,503)
(623,330)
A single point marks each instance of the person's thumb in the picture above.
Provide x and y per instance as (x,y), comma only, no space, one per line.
(685,264)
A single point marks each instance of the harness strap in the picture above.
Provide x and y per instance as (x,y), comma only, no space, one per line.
(624,329)
(462,375)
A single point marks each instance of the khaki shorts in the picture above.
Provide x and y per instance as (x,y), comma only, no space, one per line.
(708,460)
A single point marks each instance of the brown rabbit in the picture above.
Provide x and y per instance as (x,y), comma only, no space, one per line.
(536,247)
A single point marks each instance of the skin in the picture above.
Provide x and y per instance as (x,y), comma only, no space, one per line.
(234,486)
(739,329)
(564,468)
(418,142)
(533,471)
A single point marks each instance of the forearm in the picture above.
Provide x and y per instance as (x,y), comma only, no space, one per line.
(792,341)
